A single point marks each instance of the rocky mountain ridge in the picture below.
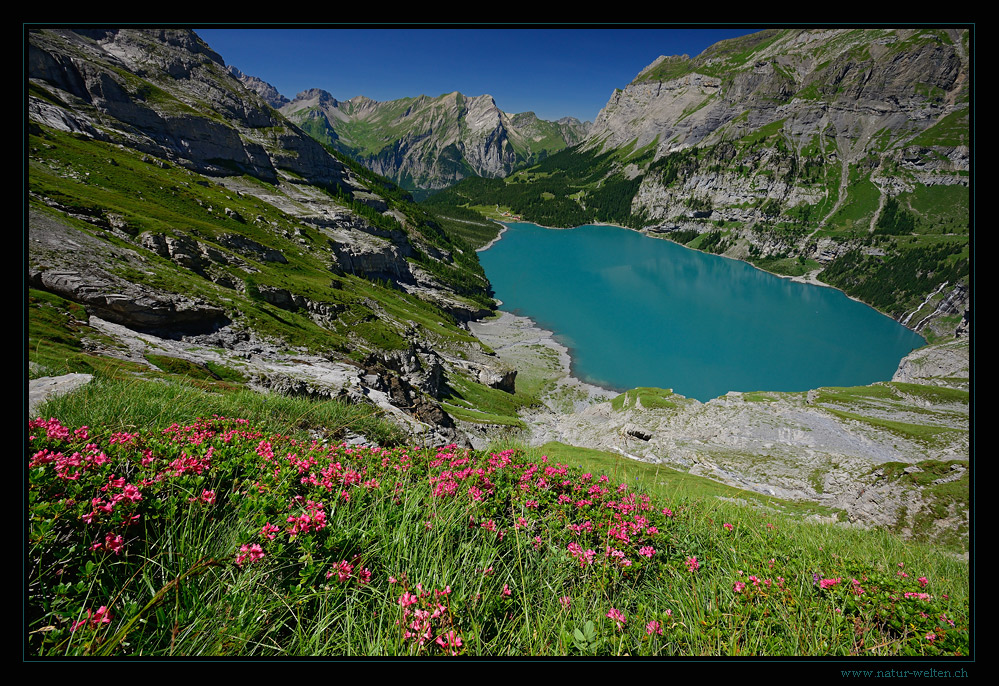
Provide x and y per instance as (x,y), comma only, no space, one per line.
(166,93)
(424,142)
(856,81)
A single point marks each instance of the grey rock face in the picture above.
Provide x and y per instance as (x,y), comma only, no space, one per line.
(265,90)
(844,89)
(74,271)
(945,364)
(858,86)
(184,106)
(251,248)
(46,387)
(127,304)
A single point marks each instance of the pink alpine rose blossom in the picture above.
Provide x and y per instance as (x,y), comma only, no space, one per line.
(618,617)
(94,619)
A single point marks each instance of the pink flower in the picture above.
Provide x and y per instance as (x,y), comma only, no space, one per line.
(923,581)
(342,570)
(269,531)
(739,587)
(931,637)
(618,617)
(208,497)
(506,590)
(566,601)
(654,627)
(252,552)
(101,616)
(584,557)
(647,551)
(113,543)
(449,640)
(829,583)
(692,564)
(728,526)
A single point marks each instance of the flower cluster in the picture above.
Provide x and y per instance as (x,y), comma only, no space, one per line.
(253,552)
(426,614)
(94,618)
(583,557)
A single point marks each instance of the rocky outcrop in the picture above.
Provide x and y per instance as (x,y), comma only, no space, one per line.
(265,90)
(372,259)
(76,266)
(125,303)
(191,254)
(45,388)
(946,364)
(252,249)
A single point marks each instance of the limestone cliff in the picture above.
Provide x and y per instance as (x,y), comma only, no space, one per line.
(166,93)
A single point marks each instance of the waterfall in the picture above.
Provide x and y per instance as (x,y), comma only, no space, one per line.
(905,322)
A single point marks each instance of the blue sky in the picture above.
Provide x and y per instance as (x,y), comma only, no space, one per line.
(555,72)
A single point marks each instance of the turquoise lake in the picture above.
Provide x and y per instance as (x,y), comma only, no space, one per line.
(640,311)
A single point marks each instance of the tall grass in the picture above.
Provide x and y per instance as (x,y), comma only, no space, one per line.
(126,404)
(216,538)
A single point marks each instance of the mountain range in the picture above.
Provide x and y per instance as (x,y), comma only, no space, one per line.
(425,143)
